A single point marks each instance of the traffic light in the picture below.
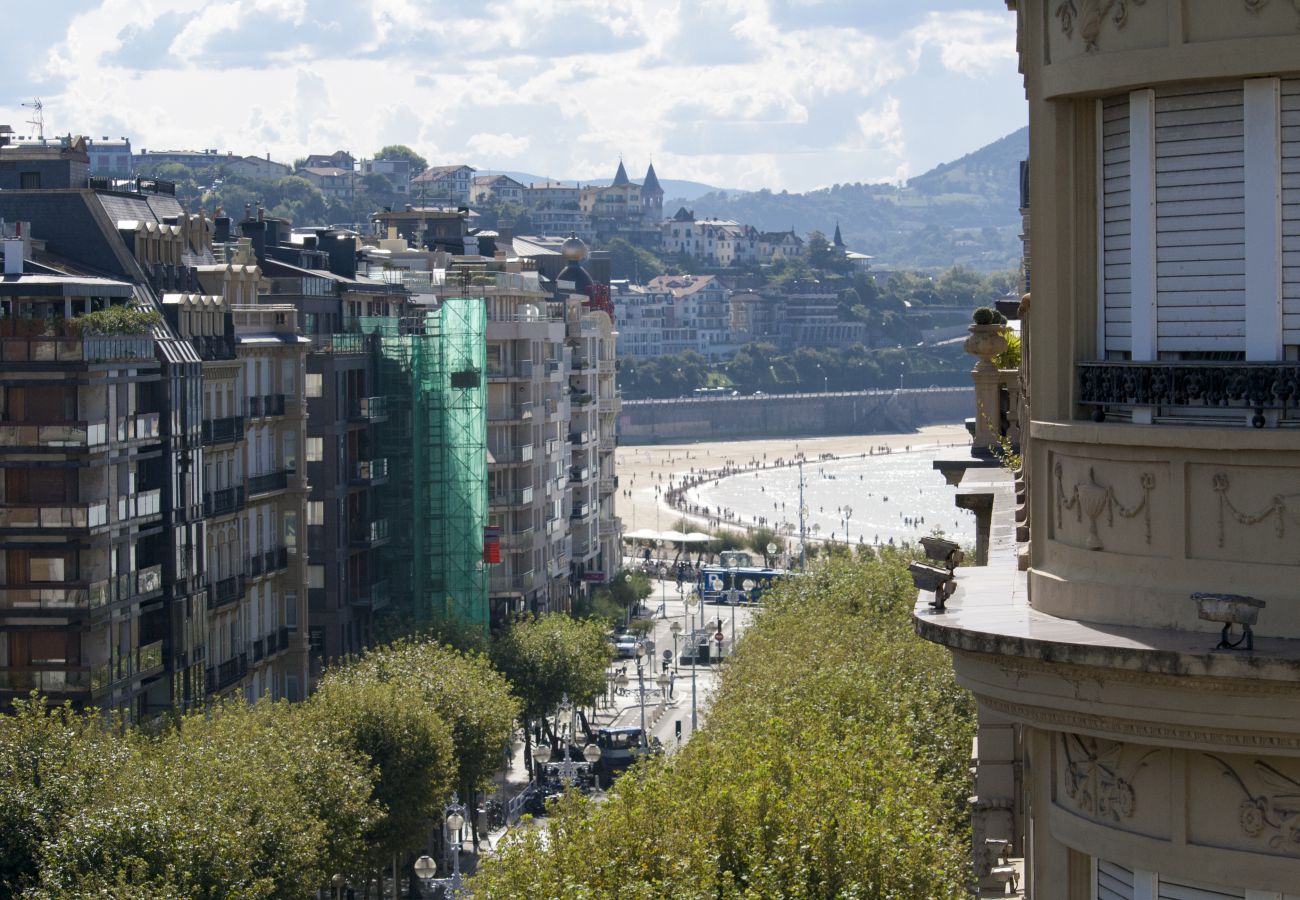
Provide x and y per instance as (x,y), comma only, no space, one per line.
(678,728)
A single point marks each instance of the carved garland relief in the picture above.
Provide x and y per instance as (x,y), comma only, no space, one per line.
(1095,780)
(1090,15)
(1272,814)
(1093,499)
(1256,5)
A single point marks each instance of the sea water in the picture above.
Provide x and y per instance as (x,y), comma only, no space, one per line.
(898,496)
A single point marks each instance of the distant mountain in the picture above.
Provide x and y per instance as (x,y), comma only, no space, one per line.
(672,187)
(965,211)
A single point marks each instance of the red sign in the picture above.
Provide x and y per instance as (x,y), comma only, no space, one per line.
(491,545)
(718,637)
(595,577)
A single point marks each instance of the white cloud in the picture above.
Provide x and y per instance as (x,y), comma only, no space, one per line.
(729,92)
(497,146)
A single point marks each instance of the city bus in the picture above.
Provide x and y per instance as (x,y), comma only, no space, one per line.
(751,581)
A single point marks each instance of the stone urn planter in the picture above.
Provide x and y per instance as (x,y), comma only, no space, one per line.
(986,342)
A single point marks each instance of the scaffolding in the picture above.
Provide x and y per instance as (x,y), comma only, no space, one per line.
(431,368)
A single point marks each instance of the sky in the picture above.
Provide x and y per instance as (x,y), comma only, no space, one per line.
(783,94)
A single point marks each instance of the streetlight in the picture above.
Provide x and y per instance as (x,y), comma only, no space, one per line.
(771,550)
(733,598)
(425,868)
(338,882)
(676,629)
(692,605)
(454,822)
(848,511)
(640,682)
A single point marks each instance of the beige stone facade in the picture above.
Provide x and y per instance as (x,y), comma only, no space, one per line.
(1122,753)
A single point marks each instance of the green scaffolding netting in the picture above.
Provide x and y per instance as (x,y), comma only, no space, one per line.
(432,372)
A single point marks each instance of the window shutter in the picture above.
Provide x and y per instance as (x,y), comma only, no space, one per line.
(1116,225)
(1178,890)
(1114,882)
(1291,211)
(1200,219)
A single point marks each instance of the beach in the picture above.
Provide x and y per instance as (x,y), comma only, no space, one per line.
(642,469)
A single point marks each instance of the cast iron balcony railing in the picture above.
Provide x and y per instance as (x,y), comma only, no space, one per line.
(222,502)
(227,673)
(266,405)
(271,481)
(226,430)
(1211,385)
(226,591)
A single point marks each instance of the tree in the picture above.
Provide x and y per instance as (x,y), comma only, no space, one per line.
(407,748)
(833,764)
(634,263)
(463,688)
(550,657)
(53,761)
(236,802)
(401,151)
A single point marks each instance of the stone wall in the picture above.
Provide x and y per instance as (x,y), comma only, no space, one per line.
(791,415)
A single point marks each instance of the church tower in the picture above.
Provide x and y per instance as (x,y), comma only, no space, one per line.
(652,197)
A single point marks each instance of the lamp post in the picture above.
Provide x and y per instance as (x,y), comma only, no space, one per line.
(848,511)
(692,605)
(771,550)
(454,821)
(425,868)
(339,881)
(640,683)
(676,629)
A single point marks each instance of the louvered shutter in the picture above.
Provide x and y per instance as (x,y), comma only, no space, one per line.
(1200,219)
(1116,226)
(1114,882)
(1178,890)
(1291,211)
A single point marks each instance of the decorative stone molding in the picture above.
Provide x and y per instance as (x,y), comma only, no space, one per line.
(1277,510)
(1091,14)
(1255,6)
(1094,780)
(1273,814)
(1093,499)
(1141,731)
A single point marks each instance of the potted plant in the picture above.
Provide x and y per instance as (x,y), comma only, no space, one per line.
(987,337)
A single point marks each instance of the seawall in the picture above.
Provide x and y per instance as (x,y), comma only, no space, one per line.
(790,415)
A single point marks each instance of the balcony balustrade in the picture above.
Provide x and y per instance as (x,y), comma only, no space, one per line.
(83,596)
(580,511)
(269,482)
(373,597)
(223,502)
(227,673)
(87,349)
(226,430)
(70,435)
(370,409)
(82,516)
(1187,386)
(226,591)
(368,534)
(142,505)
(266,405)
(370,471)
(513,455)
(511,412)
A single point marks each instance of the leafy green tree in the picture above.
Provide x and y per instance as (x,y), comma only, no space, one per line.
(627,261)
(406,745)
(463,688)
(231,803)
(547,658)
(833,764)
(401,151)
(53,762)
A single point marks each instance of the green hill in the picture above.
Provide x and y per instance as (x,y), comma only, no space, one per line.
(962,212)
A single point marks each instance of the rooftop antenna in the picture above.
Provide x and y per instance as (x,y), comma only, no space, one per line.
(38,117)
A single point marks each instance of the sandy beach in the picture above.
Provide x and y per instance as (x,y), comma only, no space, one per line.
(642,469)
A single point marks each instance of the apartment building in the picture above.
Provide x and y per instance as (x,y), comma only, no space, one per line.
(1133,652)
(450,183)
(345,526)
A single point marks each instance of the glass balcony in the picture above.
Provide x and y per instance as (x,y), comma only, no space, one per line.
(88,349)
(370,471)
(369,534)
(370,409)
(72,435)
(89,515)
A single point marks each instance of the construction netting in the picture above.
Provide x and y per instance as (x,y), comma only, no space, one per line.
(431,369)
